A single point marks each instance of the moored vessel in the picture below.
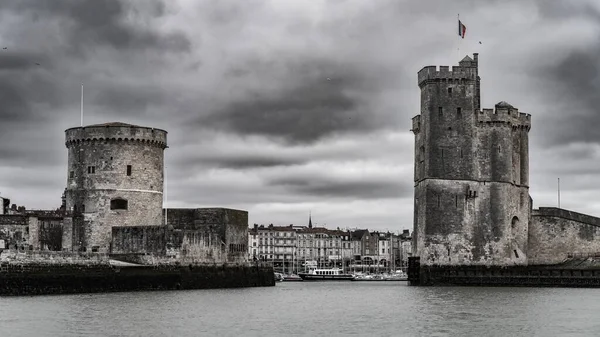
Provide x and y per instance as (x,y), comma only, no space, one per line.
(329,274)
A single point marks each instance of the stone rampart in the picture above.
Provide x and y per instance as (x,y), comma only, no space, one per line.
(556,234)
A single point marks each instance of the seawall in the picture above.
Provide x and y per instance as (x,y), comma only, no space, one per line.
(581,273)
(42,278)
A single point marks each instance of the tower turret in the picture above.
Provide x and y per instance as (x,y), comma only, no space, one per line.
(445,128)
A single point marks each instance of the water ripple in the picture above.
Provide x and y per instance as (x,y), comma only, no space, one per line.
(307,309)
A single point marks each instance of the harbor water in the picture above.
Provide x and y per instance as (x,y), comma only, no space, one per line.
(337,308)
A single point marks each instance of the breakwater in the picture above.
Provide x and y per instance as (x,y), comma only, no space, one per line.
(67,273)
(568,275)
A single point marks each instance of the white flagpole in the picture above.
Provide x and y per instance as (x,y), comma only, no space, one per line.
(558,192)
(82,104)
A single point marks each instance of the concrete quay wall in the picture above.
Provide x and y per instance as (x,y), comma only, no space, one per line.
(63,273)
(514,276)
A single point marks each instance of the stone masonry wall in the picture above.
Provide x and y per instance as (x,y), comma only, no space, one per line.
(456,226)
(555,234)
(236,235)
(206,235)
(67,237)
(14,231)
(138,239)
(180,218)
(159,245)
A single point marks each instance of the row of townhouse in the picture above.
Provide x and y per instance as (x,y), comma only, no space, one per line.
(295,248)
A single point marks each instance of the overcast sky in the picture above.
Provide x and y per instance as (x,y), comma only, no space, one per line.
(288,107)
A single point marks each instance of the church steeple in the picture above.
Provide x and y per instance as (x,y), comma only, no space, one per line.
(309,220)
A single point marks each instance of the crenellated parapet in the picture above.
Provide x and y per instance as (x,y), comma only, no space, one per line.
(504,115)
(443,73)
(116,132)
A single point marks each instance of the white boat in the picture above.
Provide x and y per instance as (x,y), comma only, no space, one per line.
(291,278)
(382,277)
(329,274)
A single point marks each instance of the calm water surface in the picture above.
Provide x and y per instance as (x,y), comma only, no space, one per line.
(310,309)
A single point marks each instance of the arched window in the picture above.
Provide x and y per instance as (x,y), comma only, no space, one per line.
(118,204)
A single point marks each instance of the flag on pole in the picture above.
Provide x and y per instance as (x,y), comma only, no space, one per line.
(462,29)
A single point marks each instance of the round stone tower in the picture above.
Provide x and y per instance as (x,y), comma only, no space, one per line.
(115,178)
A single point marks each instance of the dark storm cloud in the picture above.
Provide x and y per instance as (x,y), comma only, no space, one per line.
(574,84)
(570,84)
(53,46)
(317,98)
(246,162)
(98,22)
(12,61)
(19,92)
(323,187)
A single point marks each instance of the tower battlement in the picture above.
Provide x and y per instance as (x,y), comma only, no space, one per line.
(443,73)
(466,70)
(504,114)
(110,132)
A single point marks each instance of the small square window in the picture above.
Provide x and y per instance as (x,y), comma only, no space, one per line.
(440,111)
(71,174)
(458,112)
(91,169)
(128,170)
(449,91)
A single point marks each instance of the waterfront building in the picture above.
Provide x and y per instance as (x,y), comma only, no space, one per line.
(295,248)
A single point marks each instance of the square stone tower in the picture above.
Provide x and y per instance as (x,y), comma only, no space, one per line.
(471,203)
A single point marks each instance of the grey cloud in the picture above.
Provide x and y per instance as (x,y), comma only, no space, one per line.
(244,153)
(339,188)
(245,162)
(316,99)
(574,84)
(557,9)
(131,98)
(10,60)
(106,22)
(569,87)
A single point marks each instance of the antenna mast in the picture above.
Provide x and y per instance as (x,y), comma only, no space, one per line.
(558,192)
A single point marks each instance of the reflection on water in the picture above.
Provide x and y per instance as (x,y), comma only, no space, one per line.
(315,308)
